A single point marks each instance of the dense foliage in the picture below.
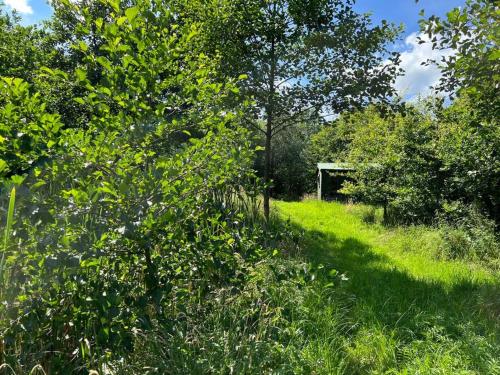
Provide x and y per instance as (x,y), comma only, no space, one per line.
(293,168)
(22,48)
(122,220)
(432,157)
(420,161)
(473,32)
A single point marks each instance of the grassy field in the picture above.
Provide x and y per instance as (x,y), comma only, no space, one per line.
(405,310)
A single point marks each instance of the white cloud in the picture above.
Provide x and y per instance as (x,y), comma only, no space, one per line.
(419,78)
(21,6)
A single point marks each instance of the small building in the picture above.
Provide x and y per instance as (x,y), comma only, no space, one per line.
(331,177)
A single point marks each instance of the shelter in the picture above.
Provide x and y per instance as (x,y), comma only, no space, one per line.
(331,176)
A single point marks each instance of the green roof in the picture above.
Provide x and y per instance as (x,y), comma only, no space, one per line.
(335,166)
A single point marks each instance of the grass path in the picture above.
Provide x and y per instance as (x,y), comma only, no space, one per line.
(409,312)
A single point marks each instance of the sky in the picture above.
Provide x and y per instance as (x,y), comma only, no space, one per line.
(416,81)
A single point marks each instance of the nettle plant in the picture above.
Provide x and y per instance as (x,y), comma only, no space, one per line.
(140,210)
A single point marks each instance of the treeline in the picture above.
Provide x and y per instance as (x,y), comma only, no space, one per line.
(425,160)
(418,160)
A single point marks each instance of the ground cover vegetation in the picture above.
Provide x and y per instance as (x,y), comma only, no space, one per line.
(140,144)
(430,161)
(400,307)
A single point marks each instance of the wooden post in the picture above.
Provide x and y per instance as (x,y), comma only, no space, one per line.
(320,183)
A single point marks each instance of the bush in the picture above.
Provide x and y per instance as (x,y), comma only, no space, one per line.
(124,222)
(469,234)
(413,161)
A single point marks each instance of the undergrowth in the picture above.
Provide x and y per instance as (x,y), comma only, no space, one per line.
(284,320)
(344,297)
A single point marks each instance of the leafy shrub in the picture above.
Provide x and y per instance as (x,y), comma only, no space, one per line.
(469,234)
(129,219)
(411,162)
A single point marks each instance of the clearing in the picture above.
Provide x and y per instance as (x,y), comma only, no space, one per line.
(407,310)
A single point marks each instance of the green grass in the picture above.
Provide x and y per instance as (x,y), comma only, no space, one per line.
(392,307)
(408,311)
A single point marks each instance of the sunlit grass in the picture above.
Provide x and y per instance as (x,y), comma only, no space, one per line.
(413,312)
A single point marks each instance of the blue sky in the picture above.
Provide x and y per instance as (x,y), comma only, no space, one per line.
(417,79)
(406,11)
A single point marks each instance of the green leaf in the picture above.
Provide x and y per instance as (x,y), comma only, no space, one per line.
(8,228)
(3,166)
(104,62)
(115,4)
(494,55)
(131,13)
(83,46)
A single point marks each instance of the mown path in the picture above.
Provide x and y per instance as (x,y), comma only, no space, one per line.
(409,311)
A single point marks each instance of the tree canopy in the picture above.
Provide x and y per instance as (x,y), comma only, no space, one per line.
(298,57)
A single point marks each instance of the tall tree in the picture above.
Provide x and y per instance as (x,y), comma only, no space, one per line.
(299,56)
(473,32)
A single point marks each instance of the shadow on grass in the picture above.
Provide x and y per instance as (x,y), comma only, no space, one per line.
(389,298)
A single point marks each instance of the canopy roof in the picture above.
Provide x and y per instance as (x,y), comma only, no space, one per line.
(335,166)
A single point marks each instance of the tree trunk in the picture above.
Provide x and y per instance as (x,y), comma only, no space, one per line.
(267,167)
(269,130)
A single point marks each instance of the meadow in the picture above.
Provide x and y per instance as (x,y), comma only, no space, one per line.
(406,309)
(343,296)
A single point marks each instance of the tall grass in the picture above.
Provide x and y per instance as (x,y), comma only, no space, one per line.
(282,321)
(6,238)
(413,311)
(389,307)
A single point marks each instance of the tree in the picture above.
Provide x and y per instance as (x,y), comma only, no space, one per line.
(332,142)
(137,211)
(298,57)
(473,74)
(292,172)
(473,32)
(22,48)
(420,161)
